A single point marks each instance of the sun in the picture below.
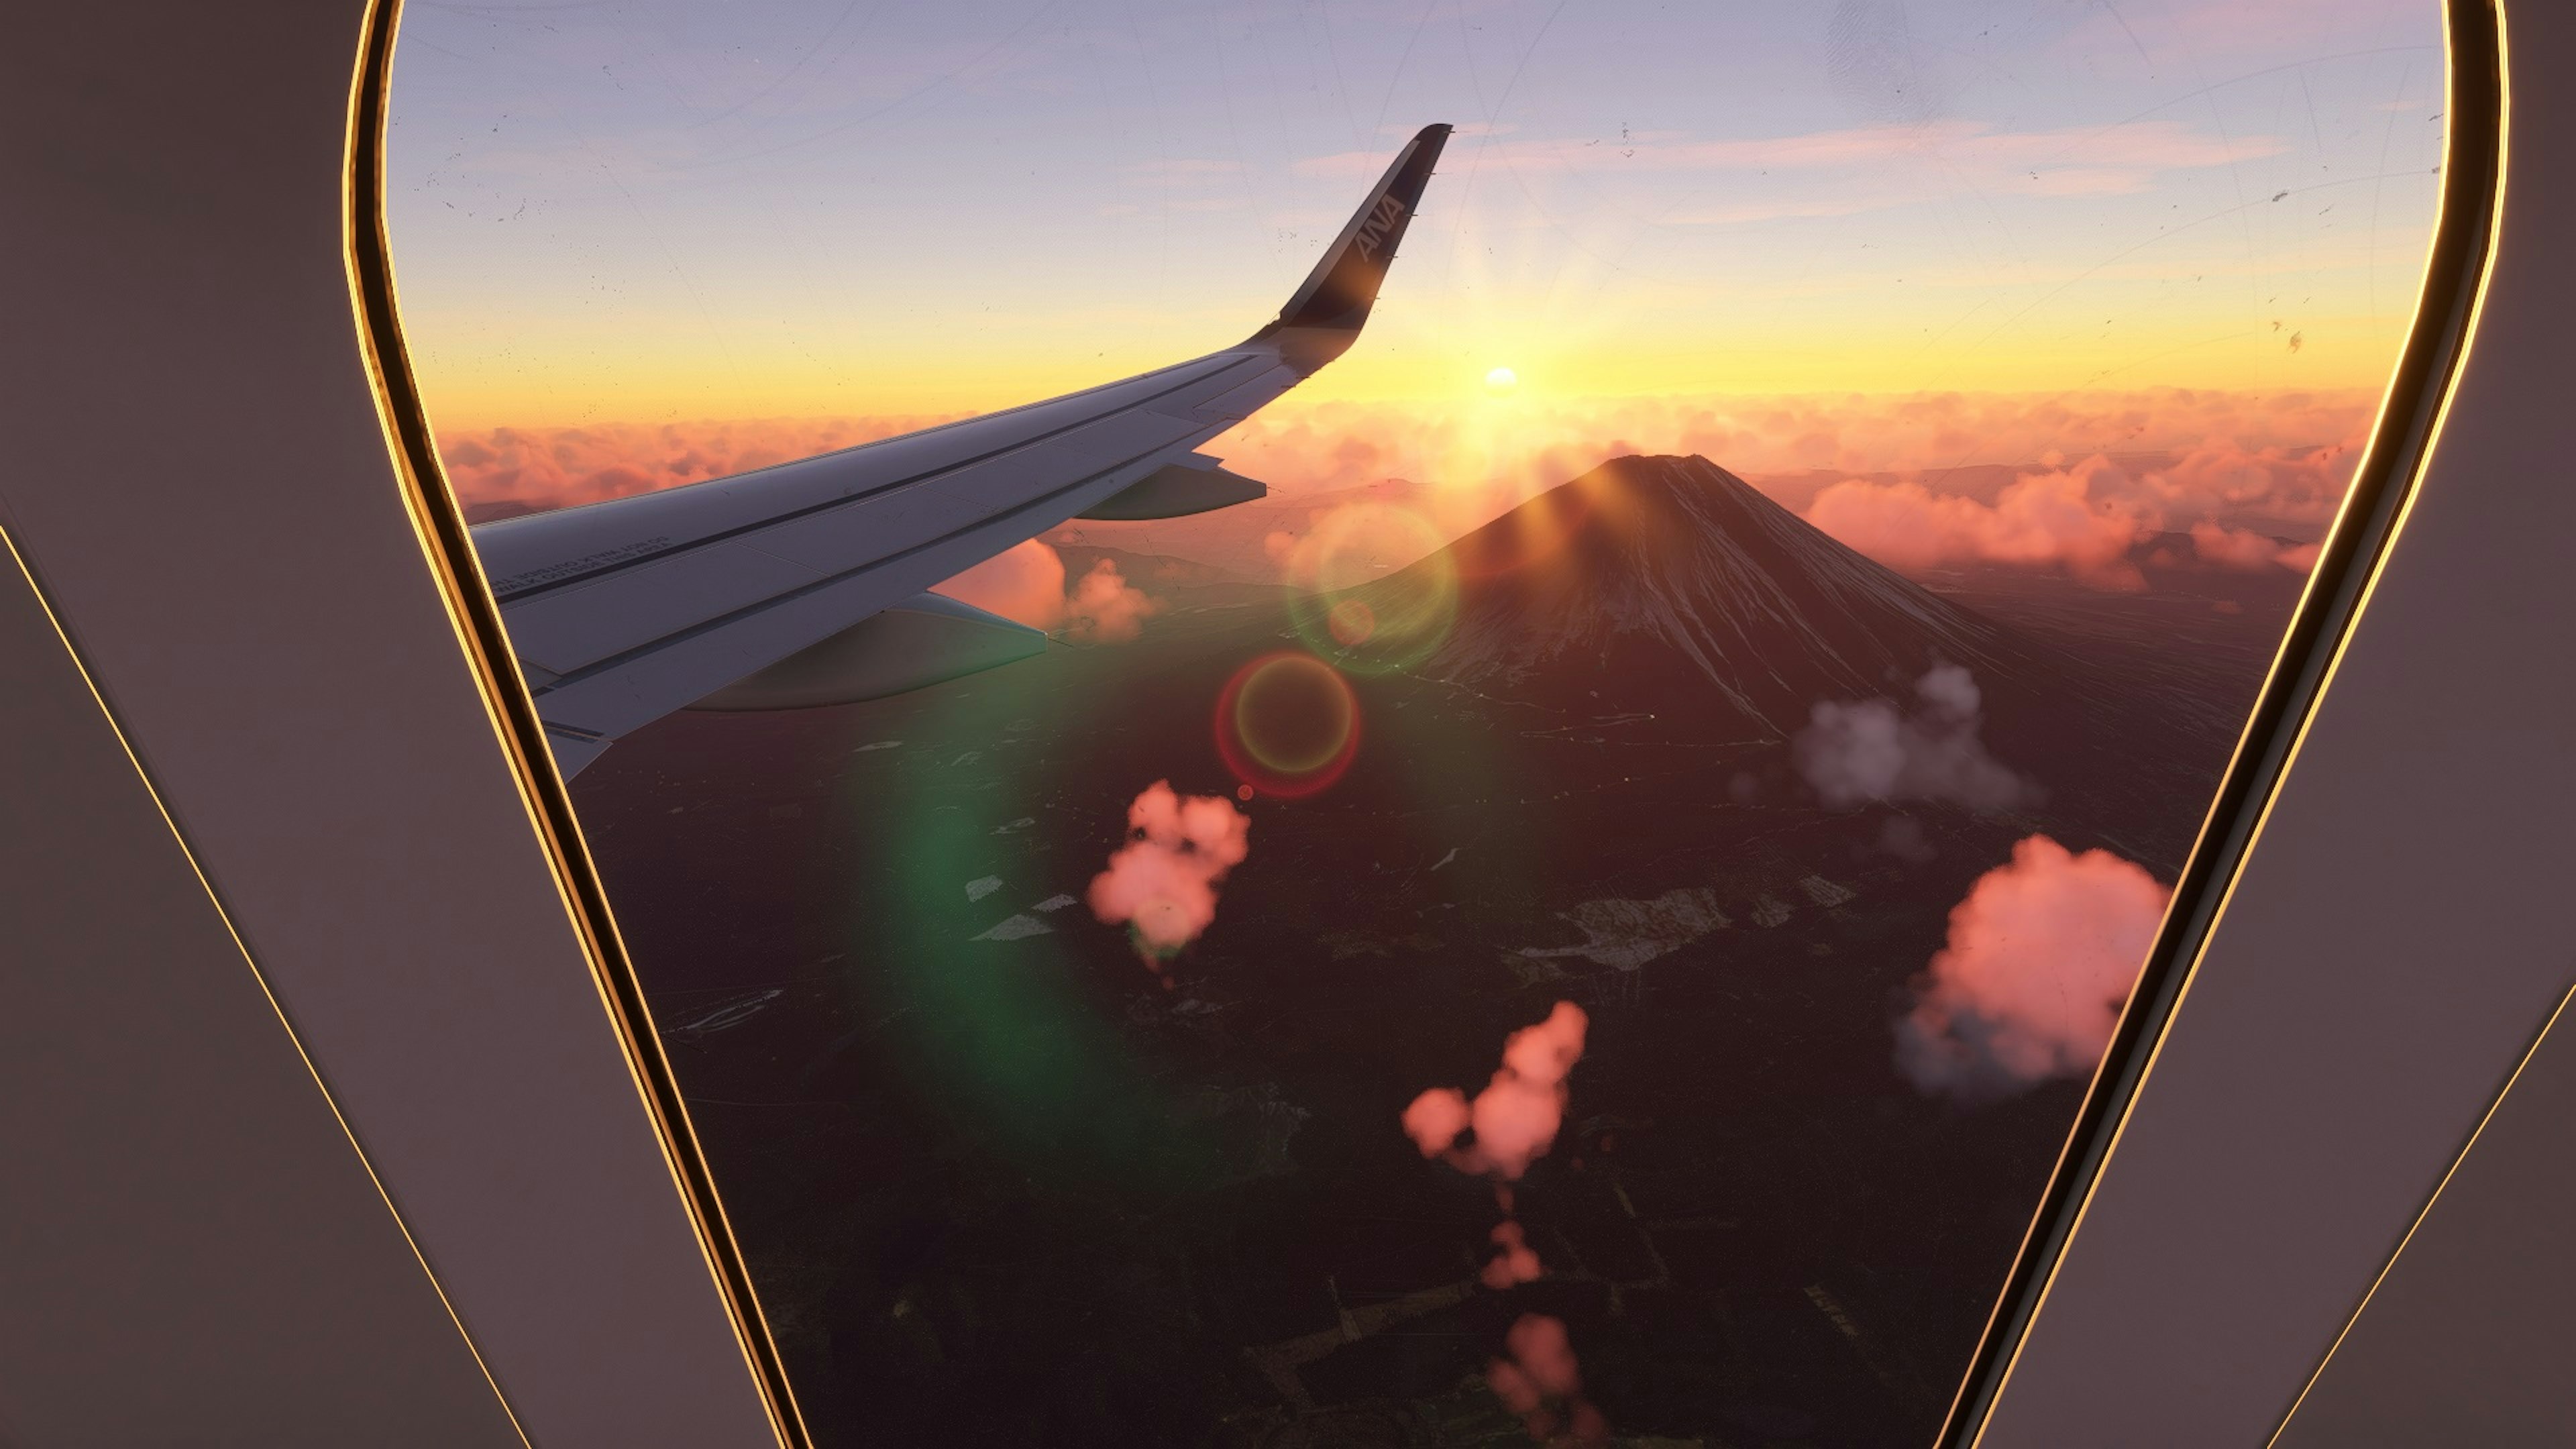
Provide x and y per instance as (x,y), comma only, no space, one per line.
(1502,379)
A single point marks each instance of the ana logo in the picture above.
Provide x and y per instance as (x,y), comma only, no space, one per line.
(1373,231)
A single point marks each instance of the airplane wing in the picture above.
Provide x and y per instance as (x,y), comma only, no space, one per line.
(804,583)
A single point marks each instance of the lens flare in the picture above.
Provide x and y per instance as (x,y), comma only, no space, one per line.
(1287,724)
(1373,588)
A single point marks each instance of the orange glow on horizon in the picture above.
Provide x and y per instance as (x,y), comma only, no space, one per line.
(1621,350)
(1475,454)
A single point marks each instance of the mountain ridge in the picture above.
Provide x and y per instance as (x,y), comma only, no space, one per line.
(1603,582)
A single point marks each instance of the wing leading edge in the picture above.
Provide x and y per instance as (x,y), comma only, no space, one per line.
(622,612)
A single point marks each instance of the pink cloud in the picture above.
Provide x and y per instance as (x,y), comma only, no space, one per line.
(2243,549)
(1517,1262)
(1163,882)
(2041,956)
(1105,608)
(2271,462)
(1026,583)
(1516,1116)
(1514,1121)
(2085,519)
(1023,583)
(2050,518)
(1434,1119)
(2150,459)
(541,468)
(2227,449)
(2226,480)
(1539,1371)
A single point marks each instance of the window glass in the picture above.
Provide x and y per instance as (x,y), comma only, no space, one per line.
(1586,911)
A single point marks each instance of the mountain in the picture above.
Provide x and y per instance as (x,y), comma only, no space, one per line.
(1667,583)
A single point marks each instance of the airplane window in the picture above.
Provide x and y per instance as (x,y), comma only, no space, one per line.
(1552,867)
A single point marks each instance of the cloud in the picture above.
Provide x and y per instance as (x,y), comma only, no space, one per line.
(2225,479)
(1023,583)
(2217,453)
(1514,1121)
(1540,1378)
(1026,583)
(1852,752)
(1105,608)
(2233,548)
(2041,955)
(1162,882)
(2085,519)
(544,468)
(2046,518)
(1517,1263)
(1516,1116)
(2271,462)
(2159,457)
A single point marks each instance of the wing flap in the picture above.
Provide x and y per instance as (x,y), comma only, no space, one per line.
(1177,490)
(620,692)
(927,639)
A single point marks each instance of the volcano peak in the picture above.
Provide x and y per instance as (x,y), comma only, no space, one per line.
(1667,582)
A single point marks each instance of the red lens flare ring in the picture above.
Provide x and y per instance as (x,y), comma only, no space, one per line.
(1287,724)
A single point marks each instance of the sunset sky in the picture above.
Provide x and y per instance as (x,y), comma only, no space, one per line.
(654,212)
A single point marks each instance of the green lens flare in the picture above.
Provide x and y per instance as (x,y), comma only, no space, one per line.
(1373,589)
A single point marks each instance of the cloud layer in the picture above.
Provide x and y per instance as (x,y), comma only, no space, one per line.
(560,467)
(2041,956)
(2086,519)
(2224,449)
(2040,518)
(1862,751)
(1299,445)
(1919,480)
(2245,550)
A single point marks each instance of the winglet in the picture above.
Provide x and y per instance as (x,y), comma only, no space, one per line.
(1338,293)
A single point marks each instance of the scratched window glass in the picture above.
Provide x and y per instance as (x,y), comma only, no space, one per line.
(1397,723)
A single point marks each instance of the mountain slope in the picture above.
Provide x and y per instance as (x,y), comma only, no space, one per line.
(1662,583)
